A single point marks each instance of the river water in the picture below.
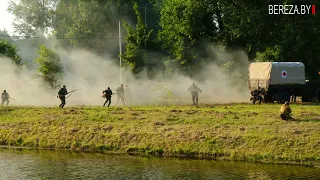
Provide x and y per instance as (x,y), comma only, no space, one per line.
(30,164)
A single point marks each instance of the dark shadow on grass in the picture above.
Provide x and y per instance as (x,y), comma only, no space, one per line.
(309,103)
(305,120)
(5,110)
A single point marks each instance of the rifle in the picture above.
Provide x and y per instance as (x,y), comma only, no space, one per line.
(11,98)
(68,96)
(105,95)
(70,93)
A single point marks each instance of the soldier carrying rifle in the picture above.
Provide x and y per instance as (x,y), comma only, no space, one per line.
(107,94)
(62,95)
(5,97)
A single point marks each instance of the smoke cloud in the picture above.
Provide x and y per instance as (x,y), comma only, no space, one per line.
(22,86)
(91,74)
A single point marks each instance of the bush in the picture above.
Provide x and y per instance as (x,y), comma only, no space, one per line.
(50,70)
(10,51)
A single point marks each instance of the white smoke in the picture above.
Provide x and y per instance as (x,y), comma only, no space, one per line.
(91,74)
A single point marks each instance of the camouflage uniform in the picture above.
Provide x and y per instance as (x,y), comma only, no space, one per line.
(194,93)
(4,98)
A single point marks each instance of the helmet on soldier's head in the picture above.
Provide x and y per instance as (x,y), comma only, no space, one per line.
(108,87)
(4,91)
(64,86)
(121,85)
(287,102)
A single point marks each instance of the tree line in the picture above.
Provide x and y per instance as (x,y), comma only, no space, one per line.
(165,36)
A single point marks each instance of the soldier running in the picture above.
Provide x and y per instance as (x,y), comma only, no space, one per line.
(62,96)
(194,93)
(107,94)
(257,95)
(5,97)
(120,94)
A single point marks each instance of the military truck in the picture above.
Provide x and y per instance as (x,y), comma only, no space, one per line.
(282,81)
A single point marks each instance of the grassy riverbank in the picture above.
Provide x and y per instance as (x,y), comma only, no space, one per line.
(231,132)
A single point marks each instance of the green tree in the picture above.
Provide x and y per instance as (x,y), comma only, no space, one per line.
(300,43)
(10,51)
(292,38)
(32,17)
(91,24)
(237,25)
(137,40)
(186,32)
(50,70)
(184,25)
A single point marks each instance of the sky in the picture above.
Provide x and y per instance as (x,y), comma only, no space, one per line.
(6,18)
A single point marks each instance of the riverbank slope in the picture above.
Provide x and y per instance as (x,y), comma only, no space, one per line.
(230,132)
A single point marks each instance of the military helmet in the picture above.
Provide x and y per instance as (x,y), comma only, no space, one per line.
(4,91)
(108,87)
(287,102)
(64,86)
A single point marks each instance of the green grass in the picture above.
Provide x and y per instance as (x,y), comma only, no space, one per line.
(228,132)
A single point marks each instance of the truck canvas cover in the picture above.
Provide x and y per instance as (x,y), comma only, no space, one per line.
(276,73)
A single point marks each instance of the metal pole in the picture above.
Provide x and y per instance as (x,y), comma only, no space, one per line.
(145,15)
(120,51)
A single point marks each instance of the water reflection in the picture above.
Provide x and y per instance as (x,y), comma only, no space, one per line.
(27,164)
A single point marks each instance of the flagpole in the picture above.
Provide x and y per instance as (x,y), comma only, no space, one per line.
(120,50)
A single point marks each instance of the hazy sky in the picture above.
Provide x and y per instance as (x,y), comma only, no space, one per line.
(6,18)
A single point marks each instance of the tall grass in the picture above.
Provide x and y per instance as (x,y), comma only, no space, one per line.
(230,131)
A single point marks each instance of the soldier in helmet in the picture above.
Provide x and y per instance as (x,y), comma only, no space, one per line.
(194,93)
(107,94)
(120,94)
(5,97)
(62,96)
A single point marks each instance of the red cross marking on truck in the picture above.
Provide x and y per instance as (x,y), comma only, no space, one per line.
(284,74)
